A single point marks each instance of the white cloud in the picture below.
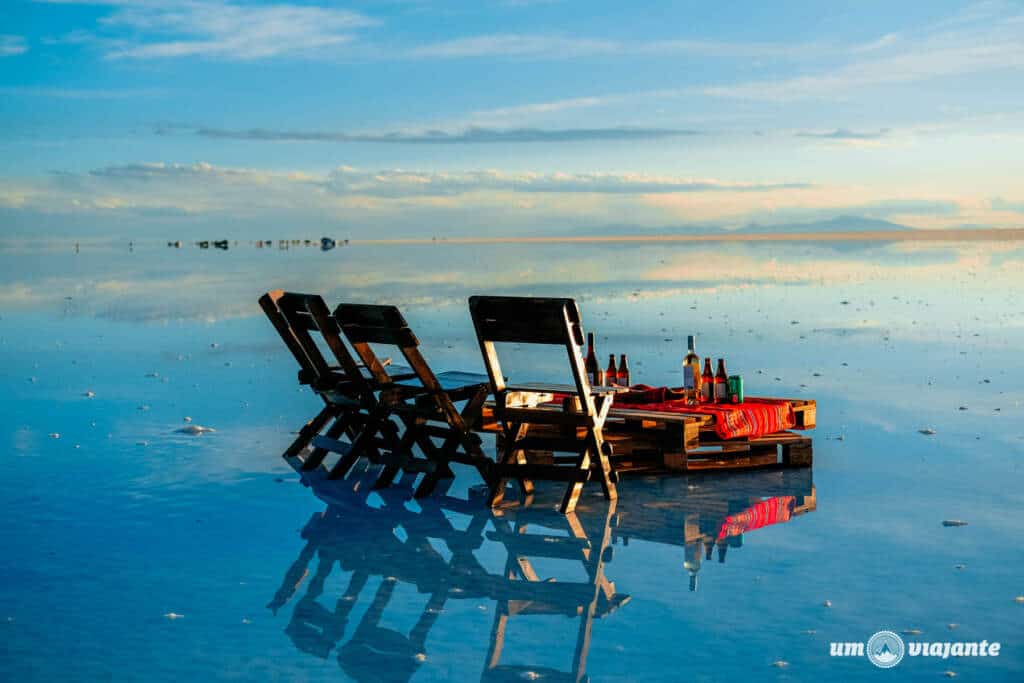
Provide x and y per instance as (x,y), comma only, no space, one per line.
(975,43)
(218,29)
(12,45)
(413,183)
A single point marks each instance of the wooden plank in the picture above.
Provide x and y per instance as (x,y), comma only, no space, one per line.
(545,415)
(370,315)
(557,388)
(806,416)
(730,463)
(798,455)
(526,320)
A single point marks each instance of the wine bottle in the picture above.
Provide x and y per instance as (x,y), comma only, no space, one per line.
(721,383)
(691,371)
(707,383)
(611,374)
(593,370)
(623,379)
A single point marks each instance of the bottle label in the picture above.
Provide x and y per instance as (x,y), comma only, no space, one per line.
(705,391)
(688,377)
(721,390)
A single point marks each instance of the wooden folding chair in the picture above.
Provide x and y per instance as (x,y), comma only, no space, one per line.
(425,403)
(346,389)
(555,322)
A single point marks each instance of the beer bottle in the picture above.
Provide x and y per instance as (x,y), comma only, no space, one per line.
(721,383)
(623,378)
(610,373)
(691,372)
(707,383)
(593,370)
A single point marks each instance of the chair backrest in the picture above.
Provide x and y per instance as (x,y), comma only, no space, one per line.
(365,324)
(530,320)
(296,317)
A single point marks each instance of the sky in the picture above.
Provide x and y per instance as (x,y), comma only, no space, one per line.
(390,119)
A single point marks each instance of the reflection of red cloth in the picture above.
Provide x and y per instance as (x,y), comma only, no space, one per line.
(772,511)
(753,417)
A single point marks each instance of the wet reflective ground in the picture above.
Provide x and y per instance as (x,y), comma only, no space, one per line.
(133,551)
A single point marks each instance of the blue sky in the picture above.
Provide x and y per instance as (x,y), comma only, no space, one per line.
(394,118)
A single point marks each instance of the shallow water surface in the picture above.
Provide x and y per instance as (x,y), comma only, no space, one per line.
(133,551)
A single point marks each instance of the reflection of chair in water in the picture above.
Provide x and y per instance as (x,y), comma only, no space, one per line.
(592,599)
(371,548)
(382,539)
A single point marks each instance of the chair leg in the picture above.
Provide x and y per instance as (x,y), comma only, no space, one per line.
(361,444)
(402,449)
(575,487)
(602,450)
(442,470)
(317,456)
(308,431)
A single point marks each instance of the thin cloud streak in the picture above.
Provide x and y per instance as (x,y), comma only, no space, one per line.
(541,46)
(11,46)
(471,135)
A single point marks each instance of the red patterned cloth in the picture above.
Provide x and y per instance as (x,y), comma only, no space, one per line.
(772,511)
(754,417)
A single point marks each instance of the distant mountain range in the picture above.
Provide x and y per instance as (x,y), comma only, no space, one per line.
(837,224)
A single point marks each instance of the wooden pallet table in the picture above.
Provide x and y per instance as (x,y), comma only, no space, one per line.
(648,441)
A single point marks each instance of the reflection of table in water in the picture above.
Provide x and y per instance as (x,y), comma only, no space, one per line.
(714,510)
(386,539)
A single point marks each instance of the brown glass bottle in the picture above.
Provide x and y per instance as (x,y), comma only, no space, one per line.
(623,378)
(610,373)
(707,383)
(721,383)
(593,370)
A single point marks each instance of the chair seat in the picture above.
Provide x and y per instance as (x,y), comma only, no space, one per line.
(554,388)
(451,381)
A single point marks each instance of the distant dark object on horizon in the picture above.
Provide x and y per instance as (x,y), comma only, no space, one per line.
(205,244)
(326,244)
(220,244)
